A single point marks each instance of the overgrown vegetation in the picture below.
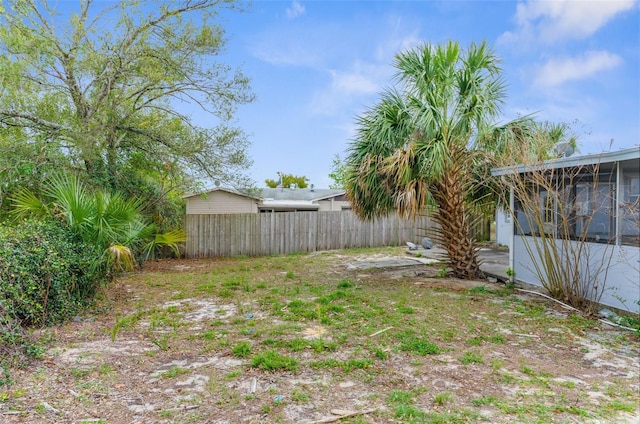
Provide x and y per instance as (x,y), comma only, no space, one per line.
(90,138)
(46,274)
(109,222)
(46,271)
(61,247)
(415,348)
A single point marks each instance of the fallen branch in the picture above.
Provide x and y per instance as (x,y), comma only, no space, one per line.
(604,321)
(182,408)
(550,298)
(380,332)
(347,415)
(528,335)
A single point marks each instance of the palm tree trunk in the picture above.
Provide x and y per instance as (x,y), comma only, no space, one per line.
(454,224)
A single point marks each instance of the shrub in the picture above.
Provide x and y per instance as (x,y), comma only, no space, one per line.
(45,272)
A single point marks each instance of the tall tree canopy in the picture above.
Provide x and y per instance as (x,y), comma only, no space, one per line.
(104,92)
(285,180)
(338,172)
(422,144)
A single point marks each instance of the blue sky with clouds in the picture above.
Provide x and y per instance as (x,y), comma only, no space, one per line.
(316,65)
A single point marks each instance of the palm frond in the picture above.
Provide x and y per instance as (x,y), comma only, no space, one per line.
(25,203)
(71,201)
(172,239)
(120,257)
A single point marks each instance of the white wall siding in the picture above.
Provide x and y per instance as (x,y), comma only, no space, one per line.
(221,202)
(503,228)
(622,285)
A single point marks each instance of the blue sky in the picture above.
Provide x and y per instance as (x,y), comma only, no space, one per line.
(316,65)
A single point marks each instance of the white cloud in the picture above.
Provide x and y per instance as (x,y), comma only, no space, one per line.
(550,21)
(296,9)
(351,85)
(560,70)
(282,49)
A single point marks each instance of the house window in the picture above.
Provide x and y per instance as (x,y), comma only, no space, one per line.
(547,204)
(577,208)
(630,210)
(535,214)
(594,210)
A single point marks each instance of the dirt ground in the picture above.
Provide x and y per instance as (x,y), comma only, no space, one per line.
(97,372)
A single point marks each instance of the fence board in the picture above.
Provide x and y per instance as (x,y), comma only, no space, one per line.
(289,232)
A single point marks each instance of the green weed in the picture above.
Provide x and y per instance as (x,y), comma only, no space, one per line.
(471,358)
(241,350)
(125,322)
(346,284)
(409,412)
(174,372)
(419,346)
(484,400)
(272,360)
(442,398)
(299,396)
(400,396)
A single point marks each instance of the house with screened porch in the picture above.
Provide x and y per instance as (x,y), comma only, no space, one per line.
(581,211)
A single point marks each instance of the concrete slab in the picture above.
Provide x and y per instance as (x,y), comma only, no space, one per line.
(390,262)
(493,261)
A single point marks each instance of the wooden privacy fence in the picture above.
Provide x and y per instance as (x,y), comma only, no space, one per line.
(257,234)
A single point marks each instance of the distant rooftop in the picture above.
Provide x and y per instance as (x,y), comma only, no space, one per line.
(280,194)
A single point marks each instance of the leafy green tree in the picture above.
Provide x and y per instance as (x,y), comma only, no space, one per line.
(423,144)
(285,180)
(338,172)
(101,93)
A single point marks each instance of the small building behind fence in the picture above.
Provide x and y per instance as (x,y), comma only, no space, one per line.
(226,222)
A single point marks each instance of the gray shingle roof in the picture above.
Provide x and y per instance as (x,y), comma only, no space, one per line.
(299,193)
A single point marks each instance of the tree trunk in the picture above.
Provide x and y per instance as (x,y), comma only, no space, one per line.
(454,224)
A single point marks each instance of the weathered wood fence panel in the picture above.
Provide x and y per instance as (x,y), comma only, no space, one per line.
(289,232)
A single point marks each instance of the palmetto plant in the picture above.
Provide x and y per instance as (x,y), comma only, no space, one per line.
(422,144)
(108,221)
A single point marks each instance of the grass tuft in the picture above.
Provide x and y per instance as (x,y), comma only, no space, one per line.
(272,360)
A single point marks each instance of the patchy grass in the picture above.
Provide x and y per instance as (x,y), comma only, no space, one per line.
(272,360)
(288,338)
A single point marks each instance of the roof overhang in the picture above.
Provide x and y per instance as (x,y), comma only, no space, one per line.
(223,189)
(570,162)
(287,204)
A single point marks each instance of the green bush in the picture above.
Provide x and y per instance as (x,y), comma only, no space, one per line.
(45,272)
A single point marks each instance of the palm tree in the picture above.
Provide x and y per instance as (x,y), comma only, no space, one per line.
(421,145)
